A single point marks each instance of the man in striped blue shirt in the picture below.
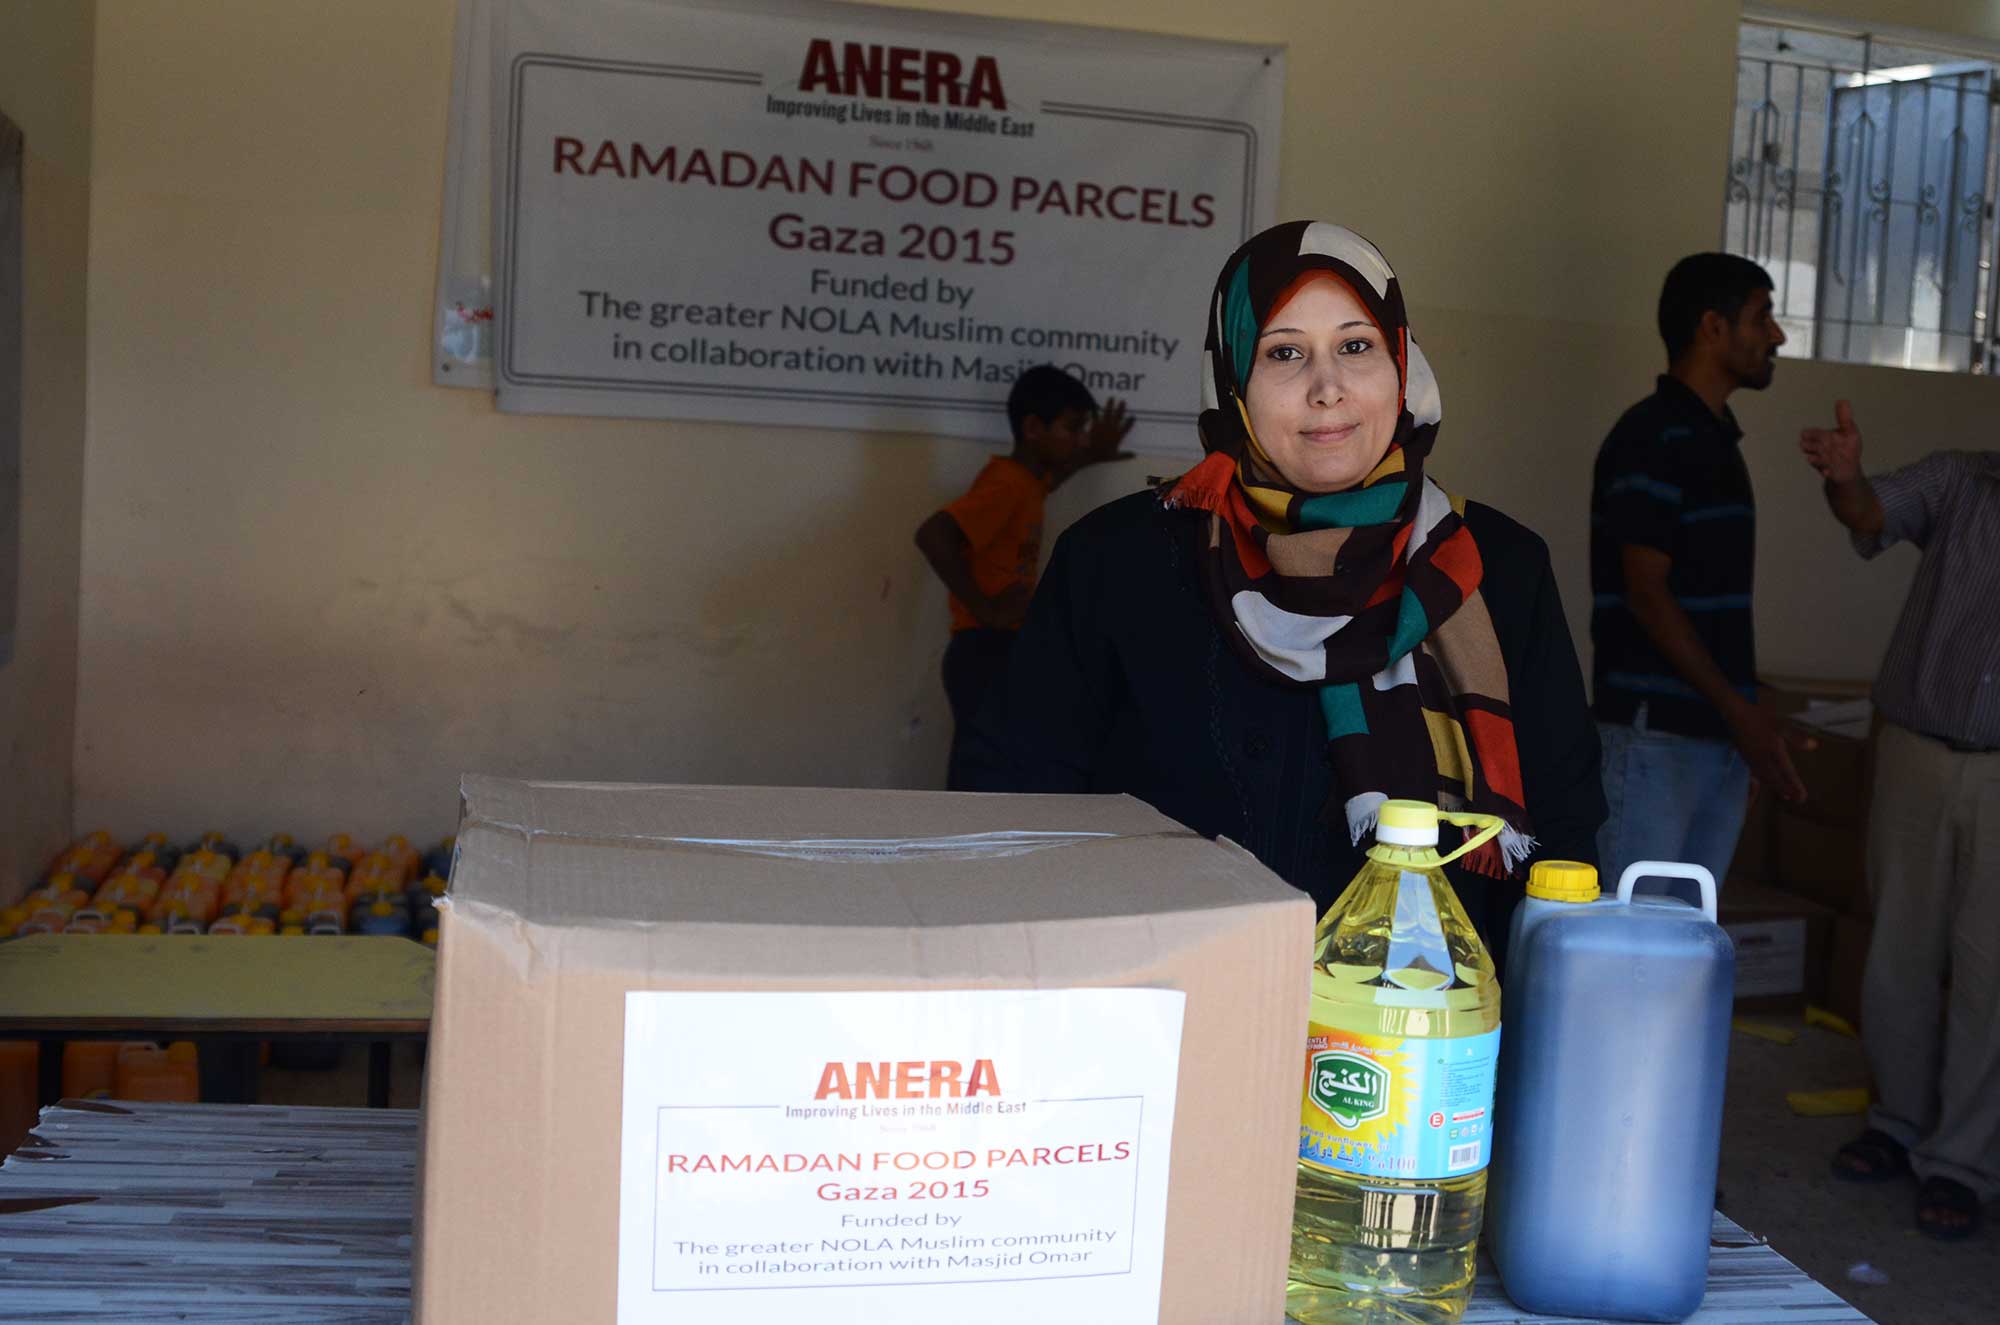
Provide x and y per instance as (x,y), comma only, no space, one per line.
(1672,551)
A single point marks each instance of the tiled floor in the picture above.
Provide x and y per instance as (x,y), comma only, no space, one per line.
(1776,1181)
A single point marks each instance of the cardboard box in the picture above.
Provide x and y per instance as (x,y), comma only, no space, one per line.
(1781,946)
(1846,963)
(1819,849)
(1838,717)
(1752,862)
(1827,863)
(837,953)
(1837,772)
(1790,694)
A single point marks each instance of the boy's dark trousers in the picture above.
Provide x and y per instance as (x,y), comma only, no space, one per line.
(975,670)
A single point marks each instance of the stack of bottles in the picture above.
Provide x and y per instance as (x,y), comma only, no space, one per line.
(98,886)
(213,887)
(94,1069)
(107,1069)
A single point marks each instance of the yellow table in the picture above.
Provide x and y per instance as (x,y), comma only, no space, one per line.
(56,987)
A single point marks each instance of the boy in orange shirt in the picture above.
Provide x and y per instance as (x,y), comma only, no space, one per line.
(987,545)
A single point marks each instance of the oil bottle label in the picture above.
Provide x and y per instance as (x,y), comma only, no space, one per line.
(1382,1107)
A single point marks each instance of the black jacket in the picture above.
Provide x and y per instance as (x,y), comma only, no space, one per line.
(1122,681)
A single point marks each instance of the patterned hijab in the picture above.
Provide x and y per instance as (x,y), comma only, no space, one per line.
(1369,596)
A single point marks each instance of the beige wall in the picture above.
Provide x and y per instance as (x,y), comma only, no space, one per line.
(45,88)
(319,588)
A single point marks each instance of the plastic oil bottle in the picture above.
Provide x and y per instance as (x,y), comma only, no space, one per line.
(1396,1120)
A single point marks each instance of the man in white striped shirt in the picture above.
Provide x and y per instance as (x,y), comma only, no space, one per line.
(1933,829)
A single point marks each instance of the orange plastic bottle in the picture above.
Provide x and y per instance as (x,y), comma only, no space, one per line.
(90,858)
(90,1067)
(89,920)
(374,873)
(20,1073)
(167,1076)
(406,857)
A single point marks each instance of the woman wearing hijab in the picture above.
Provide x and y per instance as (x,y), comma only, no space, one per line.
(1306,624)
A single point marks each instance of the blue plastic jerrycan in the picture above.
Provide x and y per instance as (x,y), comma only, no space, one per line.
(1608,1114)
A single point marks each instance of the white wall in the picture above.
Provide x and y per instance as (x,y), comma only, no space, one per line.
(1821,610)
(317,588)
(45,88)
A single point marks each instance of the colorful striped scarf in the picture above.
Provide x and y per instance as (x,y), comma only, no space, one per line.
(1371,595)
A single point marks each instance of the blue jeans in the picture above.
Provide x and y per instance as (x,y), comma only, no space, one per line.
(1671,798)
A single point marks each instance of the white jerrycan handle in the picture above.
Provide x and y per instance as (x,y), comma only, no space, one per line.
(1669,869)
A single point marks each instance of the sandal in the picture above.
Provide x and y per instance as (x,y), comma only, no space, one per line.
(1874,1156)
(1948,1211)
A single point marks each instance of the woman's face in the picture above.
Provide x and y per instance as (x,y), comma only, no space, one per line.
(1323,394)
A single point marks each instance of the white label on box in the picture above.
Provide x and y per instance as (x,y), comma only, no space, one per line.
(971,1155)
(1770,957)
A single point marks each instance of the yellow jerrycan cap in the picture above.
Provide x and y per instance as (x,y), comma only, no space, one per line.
(1563,881)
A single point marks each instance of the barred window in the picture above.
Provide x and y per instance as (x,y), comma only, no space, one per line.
(1862,177)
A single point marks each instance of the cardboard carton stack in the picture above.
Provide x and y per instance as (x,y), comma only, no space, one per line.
(1797,897)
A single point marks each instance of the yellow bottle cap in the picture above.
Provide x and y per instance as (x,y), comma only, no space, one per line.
(1563,881)
(1407,824)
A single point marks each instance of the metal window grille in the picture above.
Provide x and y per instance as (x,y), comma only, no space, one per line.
(1862,176)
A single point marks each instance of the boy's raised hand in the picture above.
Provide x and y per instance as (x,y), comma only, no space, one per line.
(1107,431)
